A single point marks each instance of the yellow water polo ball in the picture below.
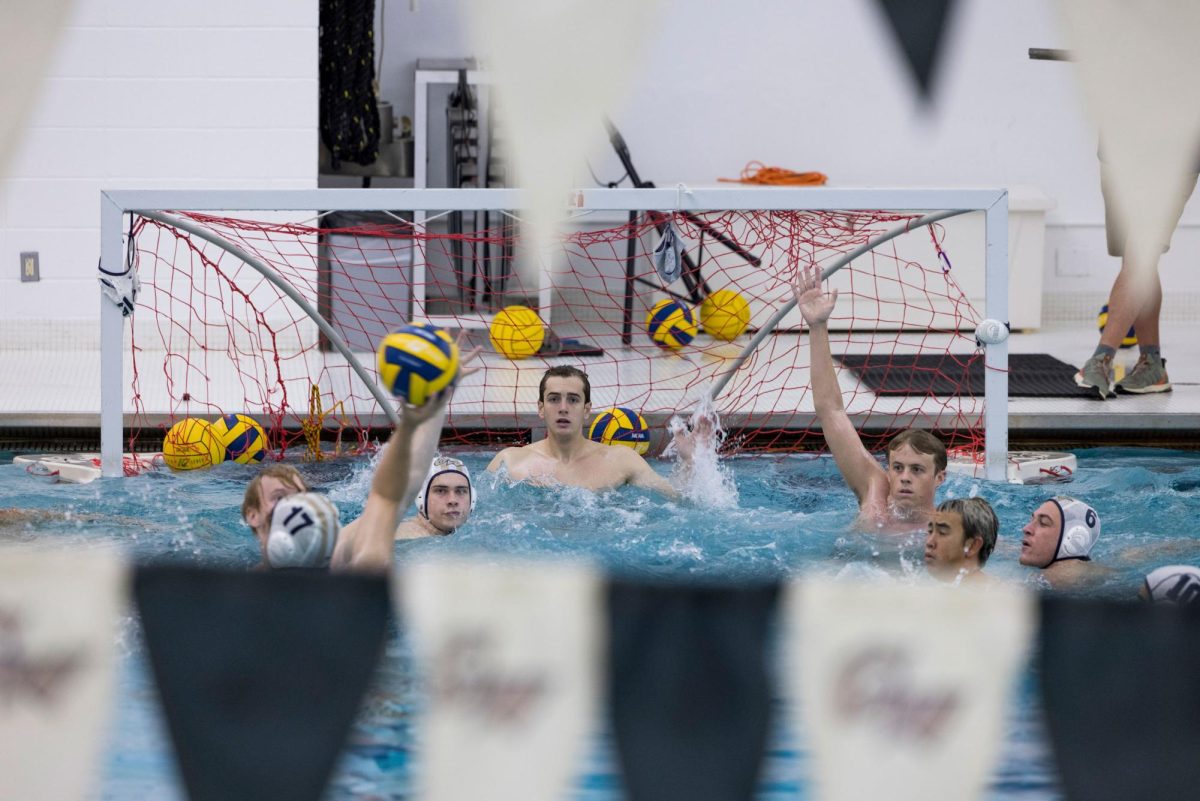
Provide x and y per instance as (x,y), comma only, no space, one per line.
(191,444)
(621,426)
(418,362)
(517,332)
(1102,320)
(724,315)
(671,324)
(243,438)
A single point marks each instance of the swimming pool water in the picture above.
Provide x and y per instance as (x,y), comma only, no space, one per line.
(791,514)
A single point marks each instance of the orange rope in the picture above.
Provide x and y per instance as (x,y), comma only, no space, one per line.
(758,173)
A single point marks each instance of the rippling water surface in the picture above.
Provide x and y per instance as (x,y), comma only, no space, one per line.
(763,517)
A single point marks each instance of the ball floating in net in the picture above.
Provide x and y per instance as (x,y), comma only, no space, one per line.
(243,438)
(1102,320)
(621,426)
(191,444)
(671,324)
(418,363)
(517,332)
(724,315)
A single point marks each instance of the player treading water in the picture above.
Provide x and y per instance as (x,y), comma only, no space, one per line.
(566,457)
(898,498)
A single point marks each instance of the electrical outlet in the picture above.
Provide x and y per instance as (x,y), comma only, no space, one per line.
(29,267)
(1073,262)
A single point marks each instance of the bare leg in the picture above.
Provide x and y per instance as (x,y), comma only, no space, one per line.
(1147,320)
(1131,304)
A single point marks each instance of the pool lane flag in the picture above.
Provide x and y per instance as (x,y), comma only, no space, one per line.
(689,692)
(901,688)
(919,27)
(508,656)
(260,674)
(554,75)
(32,33)
(1137,64)
(58,633)
(1122,697)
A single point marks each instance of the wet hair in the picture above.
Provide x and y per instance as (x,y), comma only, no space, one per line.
(978,520)
(921,441)
(566,371)
(284,472)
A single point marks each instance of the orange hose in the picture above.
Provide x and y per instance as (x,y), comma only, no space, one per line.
(758,173)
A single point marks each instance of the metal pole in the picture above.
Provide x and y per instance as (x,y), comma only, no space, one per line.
(112,345)
(995,372)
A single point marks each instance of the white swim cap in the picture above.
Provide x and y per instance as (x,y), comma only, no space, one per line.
(1080,528)
(304,529)
(1174,584)
(439,466)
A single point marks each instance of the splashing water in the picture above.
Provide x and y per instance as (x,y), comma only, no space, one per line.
(707,483)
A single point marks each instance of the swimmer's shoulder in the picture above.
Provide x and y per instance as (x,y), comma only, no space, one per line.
(510,456)
(410,529)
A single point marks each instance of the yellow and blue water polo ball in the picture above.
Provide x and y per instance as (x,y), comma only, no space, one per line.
(243,438)
(621,426)
(419,363)
(1130,337)
(724,315)
(671,324)
(191,444)
(517,332)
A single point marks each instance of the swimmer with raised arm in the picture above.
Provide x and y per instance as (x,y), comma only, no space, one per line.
(297,528)
(567,457)
(897,498)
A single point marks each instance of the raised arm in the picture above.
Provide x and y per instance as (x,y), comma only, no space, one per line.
(858,467)
(367,543)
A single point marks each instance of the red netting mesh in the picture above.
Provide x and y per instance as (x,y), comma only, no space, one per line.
(212,336)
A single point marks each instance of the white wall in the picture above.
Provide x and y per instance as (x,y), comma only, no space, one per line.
(820,86)
(151,94)
(145,93)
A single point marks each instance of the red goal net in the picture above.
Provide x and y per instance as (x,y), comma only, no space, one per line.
(212,335)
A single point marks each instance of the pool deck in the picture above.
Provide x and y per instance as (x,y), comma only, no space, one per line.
(59,388)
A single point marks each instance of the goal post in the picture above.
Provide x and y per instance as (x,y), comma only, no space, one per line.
(607,246)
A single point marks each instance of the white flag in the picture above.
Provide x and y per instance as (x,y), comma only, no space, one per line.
(558,67)
(31,35)
(58,615)
(509,657)
(1137,64)
(902,688)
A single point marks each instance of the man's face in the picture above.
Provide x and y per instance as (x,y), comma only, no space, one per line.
(1040,535)
(947,549)
(271,491)
(562,406)
(448,501)
(912,478)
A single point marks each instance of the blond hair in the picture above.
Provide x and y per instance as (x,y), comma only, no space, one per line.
(283,472)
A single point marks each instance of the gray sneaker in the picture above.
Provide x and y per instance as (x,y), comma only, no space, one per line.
(1097,373)
(1148,375)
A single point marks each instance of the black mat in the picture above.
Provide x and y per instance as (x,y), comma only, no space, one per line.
(1031,375)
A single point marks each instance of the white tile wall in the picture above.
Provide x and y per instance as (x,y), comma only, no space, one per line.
(211,52)
(146,94)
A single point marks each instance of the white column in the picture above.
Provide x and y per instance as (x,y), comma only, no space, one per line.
(995,380)
(112,339)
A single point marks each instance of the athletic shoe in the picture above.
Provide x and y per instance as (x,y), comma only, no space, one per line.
(1097,373)
(1148,375)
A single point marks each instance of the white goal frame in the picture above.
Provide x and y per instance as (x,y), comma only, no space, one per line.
(116,204)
